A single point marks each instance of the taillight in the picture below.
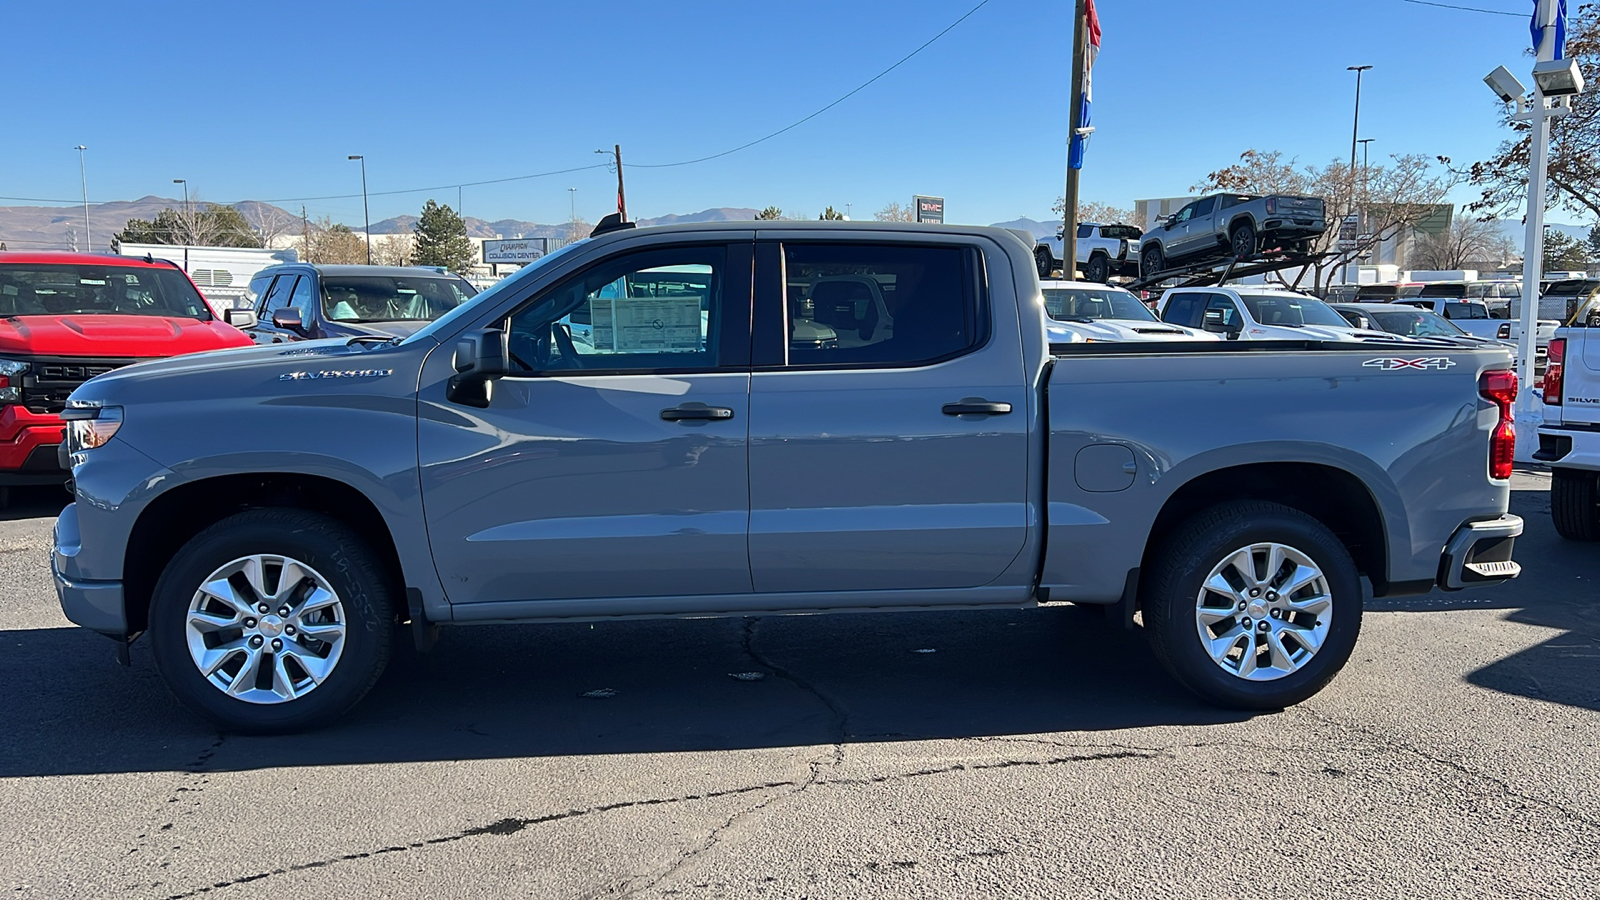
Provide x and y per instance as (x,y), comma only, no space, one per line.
(1552,371)
(1504,333)
(1500,388)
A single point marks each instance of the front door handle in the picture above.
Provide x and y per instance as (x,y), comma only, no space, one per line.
(976,408)
(687,413)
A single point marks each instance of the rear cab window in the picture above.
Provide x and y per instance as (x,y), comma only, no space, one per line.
(880,305)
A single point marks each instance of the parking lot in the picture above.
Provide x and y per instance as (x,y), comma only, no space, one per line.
(1016,754)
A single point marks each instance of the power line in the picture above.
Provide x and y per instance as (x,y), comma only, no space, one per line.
(688,162)
(858,89)
(1476,9)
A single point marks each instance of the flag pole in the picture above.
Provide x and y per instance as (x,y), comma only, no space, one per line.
(1069,216)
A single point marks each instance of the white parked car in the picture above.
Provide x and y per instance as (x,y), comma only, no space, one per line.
(1247,313)
(1078,312)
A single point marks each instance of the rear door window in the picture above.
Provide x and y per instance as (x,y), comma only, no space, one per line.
(1184,310)
(880,304)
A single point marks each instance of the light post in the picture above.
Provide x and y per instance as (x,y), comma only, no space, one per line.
(572,204)
(1355,130)
(1364,142)
(83,179)
(365,211)
(1556,81)
(188,223)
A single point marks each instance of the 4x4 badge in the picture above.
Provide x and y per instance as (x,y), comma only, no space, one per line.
(1390,363)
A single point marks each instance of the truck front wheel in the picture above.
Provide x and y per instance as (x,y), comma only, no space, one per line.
(272,620)
(1575,504)
(1253,605)
(1152,261)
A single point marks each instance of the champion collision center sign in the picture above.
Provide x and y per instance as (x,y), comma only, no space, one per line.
(518,252)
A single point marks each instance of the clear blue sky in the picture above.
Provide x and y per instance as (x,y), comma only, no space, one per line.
(265,101)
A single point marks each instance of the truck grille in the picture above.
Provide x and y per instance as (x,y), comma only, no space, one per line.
(49,382)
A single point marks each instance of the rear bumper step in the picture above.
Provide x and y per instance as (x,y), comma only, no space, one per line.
(1479,554)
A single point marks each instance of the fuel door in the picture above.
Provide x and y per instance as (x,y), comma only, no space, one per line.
(1105,468)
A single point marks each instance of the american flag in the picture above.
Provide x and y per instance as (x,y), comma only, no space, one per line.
(1075,154)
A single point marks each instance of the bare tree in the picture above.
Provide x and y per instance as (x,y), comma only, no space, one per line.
(1467,240)
(575,230)
(1092,211)
(335,244)
(894,212)
(394,249)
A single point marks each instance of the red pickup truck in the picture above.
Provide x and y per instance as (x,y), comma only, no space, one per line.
(67,317)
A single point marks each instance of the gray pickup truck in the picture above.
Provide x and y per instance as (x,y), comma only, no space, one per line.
(645,424)
(1240,225)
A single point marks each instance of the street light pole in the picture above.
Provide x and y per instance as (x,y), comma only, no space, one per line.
(1364,142)
(1355,130)
(83,179)
(572,204)
(366,212)
(188,223)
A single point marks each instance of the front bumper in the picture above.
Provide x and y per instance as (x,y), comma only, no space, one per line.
(28,442)
(96,605)
(1479,554)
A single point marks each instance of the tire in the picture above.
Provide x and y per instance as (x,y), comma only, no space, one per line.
(1575,504)
(1098,269)
(288,695)
(1198,552)
(1243,240)
(1045,263)
(1152,261)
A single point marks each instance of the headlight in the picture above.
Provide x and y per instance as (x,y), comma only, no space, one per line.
(11,372)
(89,427)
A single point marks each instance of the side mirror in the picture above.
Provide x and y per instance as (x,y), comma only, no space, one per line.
(480,358)
(241,318)
(288,319)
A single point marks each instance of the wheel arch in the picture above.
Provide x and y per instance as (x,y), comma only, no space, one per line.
(1333,496)
(1233,224)
(173,518)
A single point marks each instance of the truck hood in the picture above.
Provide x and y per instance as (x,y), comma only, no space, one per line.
(310,360)
(1123,331)
(114,336)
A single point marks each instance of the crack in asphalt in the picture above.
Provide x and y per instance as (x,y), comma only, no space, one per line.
(196,783)
(1505,786)
(500,828)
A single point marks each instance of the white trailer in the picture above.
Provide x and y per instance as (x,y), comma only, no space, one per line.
(221,273)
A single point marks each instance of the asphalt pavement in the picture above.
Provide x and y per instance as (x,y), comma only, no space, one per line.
(999,754)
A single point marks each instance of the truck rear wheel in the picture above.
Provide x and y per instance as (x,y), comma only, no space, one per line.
(272,620)
(1098,269)
(1253,605)
(1244,239)
(1045,262)
(1575,504)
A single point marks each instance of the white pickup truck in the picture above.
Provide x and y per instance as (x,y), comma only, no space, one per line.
(1103,251)
(1569,435)
(1082,313)
(1261,314)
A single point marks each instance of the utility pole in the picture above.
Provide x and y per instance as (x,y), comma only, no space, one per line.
(622,199)
(305,232)
(1069,216)
(188,221)
(88,238)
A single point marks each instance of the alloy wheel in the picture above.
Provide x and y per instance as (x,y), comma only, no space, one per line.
(1264,611)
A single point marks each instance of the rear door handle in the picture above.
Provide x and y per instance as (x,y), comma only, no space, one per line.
(976,408)
(696,413)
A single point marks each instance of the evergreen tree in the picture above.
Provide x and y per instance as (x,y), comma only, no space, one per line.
(1594,242)
(442,239)
(831,215)
(201,224)
(770,214)
(1562,253)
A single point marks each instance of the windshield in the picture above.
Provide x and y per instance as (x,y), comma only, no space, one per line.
(1068,304)
(510,282)
(42,290)
(391,298)
(1293,311)
(1416,324)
